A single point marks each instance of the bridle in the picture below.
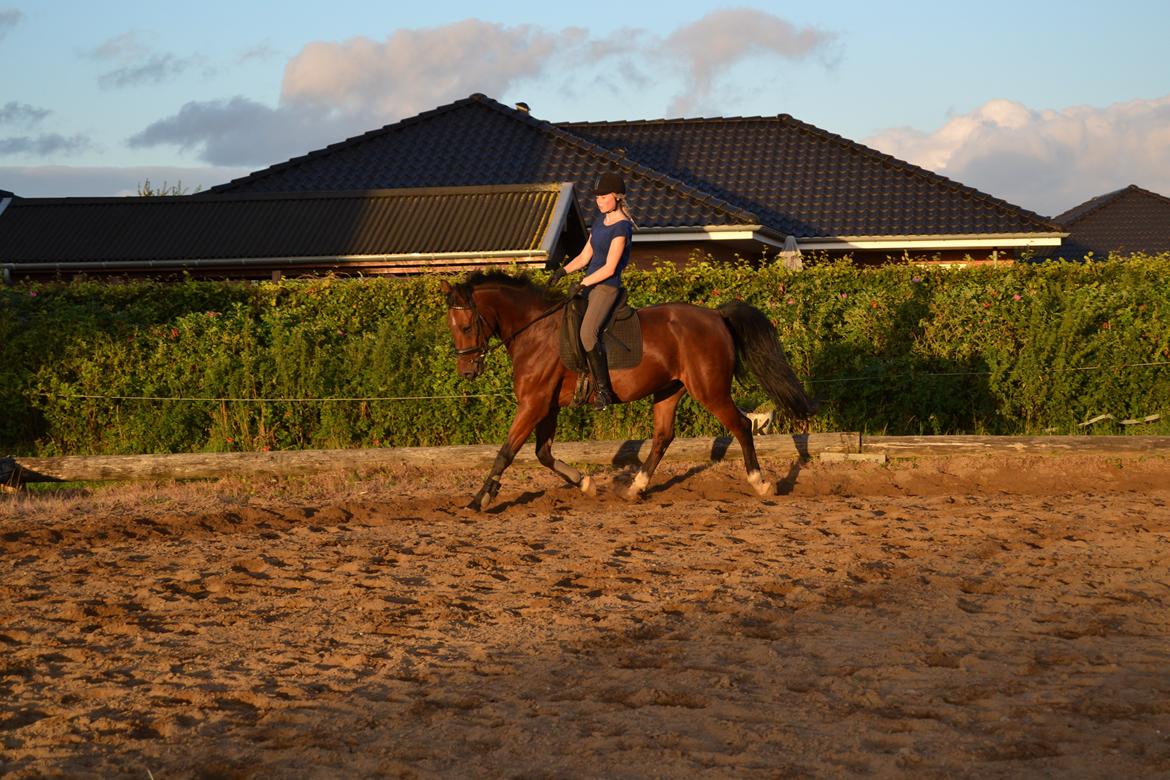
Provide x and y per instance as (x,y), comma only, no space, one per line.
(483,331)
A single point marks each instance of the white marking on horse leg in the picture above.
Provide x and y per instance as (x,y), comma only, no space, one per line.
(762,486)
(587,487)
(638,485)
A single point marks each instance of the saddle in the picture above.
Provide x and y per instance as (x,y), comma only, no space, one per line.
(622,333)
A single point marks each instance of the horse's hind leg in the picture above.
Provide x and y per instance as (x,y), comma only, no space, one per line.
(545,430)
(725,410)
(665,406)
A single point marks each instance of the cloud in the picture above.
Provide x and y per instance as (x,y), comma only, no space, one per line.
(128,45)
(259,52)
(1044,159)
(138,64)
(332,90)
(55,181)
(241,131)
(156,69)
(413,70)
(710,47)
(9,18)
(13,113)
(44,145)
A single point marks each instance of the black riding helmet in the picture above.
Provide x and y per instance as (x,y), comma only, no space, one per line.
(609,183)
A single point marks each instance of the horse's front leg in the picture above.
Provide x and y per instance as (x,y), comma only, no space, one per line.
(526,419)
(545,430)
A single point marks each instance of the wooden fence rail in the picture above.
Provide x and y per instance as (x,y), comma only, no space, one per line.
(212,465)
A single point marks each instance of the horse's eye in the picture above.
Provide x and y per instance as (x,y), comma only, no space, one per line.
(466,329)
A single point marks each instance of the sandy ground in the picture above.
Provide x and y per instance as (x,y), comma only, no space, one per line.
(960,617)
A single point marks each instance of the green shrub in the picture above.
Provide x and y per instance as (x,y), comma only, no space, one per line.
(328,362)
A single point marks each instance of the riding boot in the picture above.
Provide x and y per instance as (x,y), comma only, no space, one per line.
(599,368)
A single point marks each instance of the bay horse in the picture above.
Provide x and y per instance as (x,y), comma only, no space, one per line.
(686,349)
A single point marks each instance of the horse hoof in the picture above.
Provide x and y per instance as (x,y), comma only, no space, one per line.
(587,487)
(762,486)
(637,486)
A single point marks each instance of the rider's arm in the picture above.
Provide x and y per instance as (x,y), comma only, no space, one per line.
(581,260)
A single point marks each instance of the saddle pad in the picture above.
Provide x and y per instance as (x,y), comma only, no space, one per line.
(623,337)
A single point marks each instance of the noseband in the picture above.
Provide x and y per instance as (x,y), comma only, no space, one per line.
(482,334)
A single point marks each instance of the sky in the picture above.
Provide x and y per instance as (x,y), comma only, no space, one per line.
(1030,102)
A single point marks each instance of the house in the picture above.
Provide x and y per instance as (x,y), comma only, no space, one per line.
(262,235)
(1120,222)
(743,187)
(726,186)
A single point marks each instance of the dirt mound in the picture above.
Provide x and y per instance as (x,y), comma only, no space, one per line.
(967,616)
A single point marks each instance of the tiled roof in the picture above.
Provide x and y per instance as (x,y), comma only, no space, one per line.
(432,221)
(788,176)
(1127,220)
(477,141)
(808,182)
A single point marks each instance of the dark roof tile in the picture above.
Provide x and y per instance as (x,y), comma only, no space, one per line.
(1127,220)
(477,141)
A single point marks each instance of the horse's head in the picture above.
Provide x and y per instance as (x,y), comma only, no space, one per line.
(468,328)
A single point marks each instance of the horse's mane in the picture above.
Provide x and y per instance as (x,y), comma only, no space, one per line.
(498,278)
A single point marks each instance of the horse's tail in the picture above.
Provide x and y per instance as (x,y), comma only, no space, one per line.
(758,348)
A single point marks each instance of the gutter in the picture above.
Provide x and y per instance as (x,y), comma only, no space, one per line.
(408,259)
(419,261)
(980,241)
(711,233)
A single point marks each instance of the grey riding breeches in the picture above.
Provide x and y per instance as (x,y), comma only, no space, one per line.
(602,298)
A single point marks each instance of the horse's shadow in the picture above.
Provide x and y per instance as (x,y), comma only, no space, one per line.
(625,478)
(525,498)
(783,486)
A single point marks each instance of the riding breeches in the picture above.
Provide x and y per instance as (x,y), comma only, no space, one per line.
(602,298)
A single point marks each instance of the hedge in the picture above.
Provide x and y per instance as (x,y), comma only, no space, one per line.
(94,367)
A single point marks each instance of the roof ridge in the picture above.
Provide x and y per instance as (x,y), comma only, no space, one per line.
(267,195)
(1098,202)
(886,159)
(346,143)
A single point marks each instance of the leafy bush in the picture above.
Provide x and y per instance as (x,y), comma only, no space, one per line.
(367,362)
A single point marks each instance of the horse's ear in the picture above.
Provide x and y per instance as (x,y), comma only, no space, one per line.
(446,288)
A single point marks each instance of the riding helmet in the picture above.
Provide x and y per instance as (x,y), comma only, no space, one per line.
(609,183)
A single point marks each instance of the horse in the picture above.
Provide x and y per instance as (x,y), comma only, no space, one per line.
(686,349)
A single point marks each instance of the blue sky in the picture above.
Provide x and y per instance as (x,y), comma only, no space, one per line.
(1027,101)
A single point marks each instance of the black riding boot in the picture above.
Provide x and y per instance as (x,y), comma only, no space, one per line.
(599,368)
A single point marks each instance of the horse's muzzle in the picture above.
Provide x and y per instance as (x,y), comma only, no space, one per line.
(469,367)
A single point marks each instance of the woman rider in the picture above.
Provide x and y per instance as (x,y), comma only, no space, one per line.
(604,256)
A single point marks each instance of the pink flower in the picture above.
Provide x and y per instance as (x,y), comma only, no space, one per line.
(1017,297)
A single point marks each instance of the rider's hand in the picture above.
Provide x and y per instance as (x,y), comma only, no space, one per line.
(578,290)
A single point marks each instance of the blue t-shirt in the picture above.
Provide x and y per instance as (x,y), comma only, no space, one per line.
(600,237)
